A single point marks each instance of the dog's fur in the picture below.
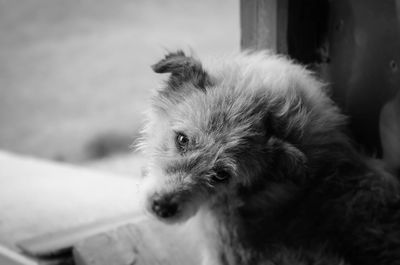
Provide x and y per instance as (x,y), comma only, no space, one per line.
(266,165)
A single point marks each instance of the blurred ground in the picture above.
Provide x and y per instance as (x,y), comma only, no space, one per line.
(75,76)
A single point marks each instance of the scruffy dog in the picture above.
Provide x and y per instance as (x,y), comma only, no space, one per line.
(255,148)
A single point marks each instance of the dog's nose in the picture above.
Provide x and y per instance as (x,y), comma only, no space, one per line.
(164,209)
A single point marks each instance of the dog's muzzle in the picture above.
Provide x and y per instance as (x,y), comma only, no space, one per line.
(164,206)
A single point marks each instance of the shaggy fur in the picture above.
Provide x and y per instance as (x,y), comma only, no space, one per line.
(253,145)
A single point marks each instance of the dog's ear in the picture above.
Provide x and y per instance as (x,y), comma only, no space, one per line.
(183,69)
(288,161)
(283,126)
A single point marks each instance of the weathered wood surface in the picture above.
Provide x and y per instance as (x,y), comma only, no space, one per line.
(53,244)
(41,198)
(263,24)
(145,243)
(9,257)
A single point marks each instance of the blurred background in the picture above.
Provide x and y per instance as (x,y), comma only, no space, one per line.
(75,75)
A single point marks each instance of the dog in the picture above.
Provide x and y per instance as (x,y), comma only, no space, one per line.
(254,148)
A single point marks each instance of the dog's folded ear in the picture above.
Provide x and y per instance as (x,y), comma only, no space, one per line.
(183,69)
(288,160)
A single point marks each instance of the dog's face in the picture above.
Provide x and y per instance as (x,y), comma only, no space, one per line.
(209,137)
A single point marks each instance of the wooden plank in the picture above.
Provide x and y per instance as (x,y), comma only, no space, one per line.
(40,197)
(145,243)
(258,24)
(264,24)
(58,242)
(9,257)
(389,128)
(282,26)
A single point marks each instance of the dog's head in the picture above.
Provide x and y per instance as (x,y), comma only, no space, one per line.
(246,123)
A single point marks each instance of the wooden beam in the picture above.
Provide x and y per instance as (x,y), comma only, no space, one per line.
(264,24)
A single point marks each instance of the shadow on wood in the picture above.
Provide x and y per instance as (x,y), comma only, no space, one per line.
(148,242)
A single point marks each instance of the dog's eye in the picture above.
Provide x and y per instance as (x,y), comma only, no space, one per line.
(182,141)
(220,176)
